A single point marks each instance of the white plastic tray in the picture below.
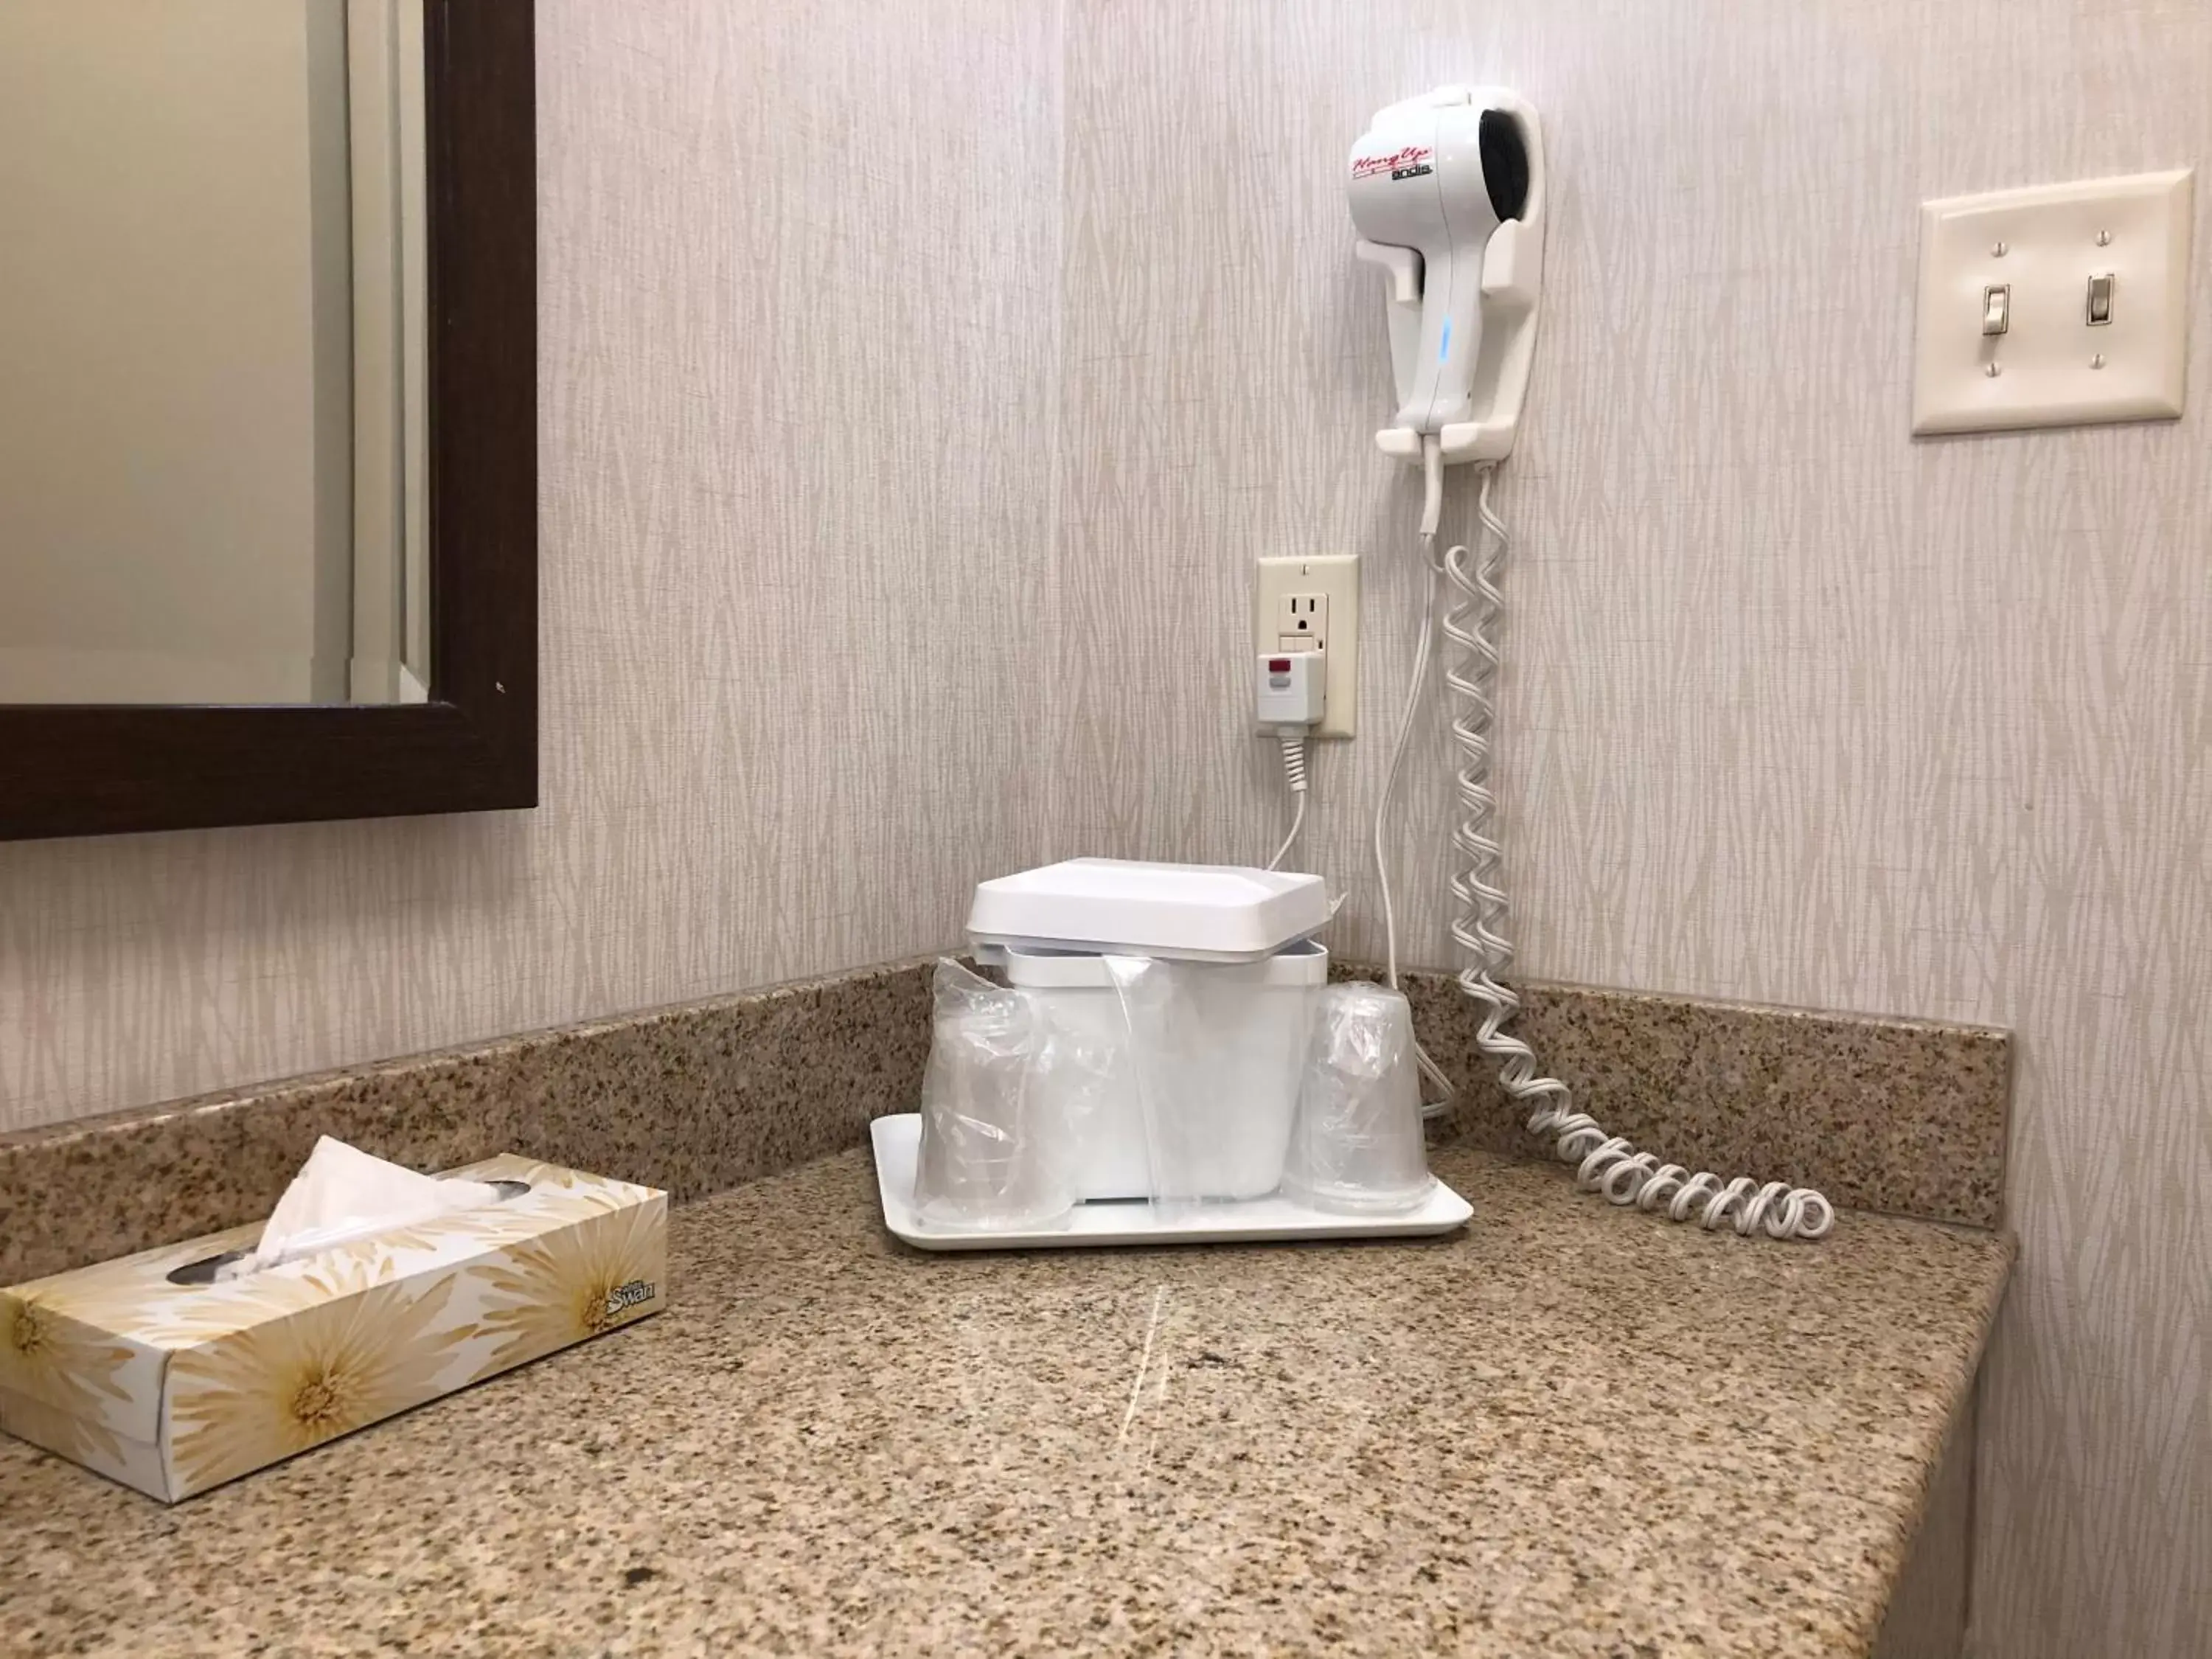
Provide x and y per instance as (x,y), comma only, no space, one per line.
(1259,1220)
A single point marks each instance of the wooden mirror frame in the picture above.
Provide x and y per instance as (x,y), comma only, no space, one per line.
(92,770)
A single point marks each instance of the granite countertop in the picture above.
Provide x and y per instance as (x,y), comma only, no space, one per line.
(1570,1429)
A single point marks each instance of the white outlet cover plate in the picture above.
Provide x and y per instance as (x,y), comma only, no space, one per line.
(1336,576)
(2044,358)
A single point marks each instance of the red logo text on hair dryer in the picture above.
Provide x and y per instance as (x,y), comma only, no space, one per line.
(1407,163)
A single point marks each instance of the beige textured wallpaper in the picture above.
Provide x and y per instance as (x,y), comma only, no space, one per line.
(1796,709)
(797,334)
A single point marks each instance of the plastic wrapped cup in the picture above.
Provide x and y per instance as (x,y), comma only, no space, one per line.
(1010,1094)
(994,1144)
(1357,1146)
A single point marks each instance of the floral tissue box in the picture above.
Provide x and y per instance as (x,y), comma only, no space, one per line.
(148,1370)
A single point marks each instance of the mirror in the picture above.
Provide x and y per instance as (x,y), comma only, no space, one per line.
(214,458)
(268,411)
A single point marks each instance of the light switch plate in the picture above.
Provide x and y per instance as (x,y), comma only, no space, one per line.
(2041,246)
(1333,578)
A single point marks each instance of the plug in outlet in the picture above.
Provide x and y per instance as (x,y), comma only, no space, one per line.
(1313,605)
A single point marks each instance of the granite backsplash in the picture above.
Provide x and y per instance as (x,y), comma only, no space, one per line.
(1899,1116)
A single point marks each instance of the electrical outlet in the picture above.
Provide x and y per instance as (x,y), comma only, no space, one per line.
(1313,605)
(1301,622)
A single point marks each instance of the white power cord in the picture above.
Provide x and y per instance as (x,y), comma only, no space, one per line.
(1605,1164)
(1294,773)
(1431,509)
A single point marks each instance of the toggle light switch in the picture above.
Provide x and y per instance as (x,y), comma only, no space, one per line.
(2020,323)
(2100,299)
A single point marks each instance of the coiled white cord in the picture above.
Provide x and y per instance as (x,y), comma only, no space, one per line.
(1605,1164)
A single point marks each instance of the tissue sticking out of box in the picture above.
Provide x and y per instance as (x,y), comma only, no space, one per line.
(174,1385)
(342,1193)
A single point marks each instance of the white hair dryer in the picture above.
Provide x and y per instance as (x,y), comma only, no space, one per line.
(1448,195)
(1448,192)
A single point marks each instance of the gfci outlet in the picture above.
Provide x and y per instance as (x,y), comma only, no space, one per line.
(1312,604)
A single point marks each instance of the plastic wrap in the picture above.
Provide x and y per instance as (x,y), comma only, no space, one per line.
(1357,1146)
(1215,1047)
(1004,1099)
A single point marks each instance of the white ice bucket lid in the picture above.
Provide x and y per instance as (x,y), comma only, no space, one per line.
(1123,907)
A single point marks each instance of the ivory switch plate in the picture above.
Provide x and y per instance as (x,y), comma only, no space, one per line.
(2004,335)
